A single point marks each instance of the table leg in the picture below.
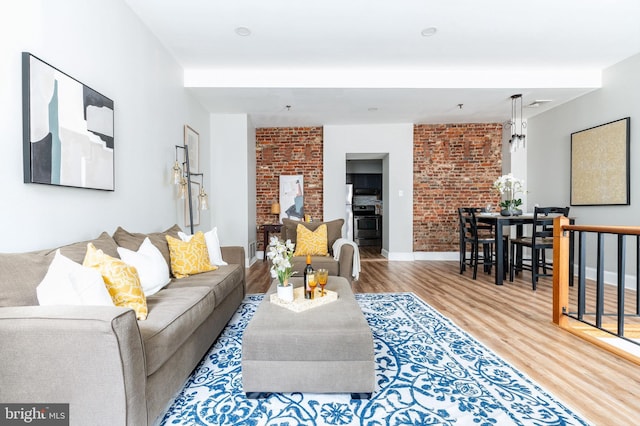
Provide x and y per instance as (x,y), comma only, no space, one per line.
(499,254)
(265,234)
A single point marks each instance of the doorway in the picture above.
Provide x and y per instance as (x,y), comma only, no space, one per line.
(366,181)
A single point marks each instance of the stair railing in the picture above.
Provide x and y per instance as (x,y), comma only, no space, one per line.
(577,319)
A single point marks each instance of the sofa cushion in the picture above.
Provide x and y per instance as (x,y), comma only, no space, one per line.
(20,273)
(133,241)
(69,283)
(121,280)
(174,314)
(189,257)
(311,242)
(317,262)
(149,262)
(334,230)
(77,251)
(213,245)
(222,281)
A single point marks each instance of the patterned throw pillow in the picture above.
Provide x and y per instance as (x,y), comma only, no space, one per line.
(121,280)
(189,257)
(213,246)
(311,242)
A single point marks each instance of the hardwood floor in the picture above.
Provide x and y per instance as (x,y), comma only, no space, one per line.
(513,321)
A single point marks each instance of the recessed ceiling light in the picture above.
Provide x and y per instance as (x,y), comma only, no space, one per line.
(243,31)
(538,102)
(429,31)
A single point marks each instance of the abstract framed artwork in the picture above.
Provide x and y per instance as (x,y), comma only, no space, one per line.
(291,197)
(600,165)
(192,142)
(68,132)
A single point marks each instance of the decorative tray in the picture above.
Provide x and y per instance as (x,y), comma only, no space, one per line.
(301,304)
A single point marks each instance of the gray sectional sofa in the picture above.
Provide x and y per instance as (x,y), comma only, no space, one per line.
(111,368)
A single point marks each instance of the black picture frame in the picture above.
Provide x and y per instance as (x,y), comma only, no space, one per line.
(68,129)
(600,165)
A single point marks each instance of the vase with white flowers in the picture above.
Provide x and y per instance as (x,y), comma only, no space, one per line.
(509,186)
(280,254)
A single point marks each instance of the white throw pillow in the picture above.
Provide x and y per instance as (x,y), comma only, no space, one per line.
(213,246)
(69,283)
(150,264)
(89,285)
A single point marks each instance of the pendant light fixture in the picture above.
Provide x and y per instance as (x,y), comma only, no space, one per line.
(516,124)
(203,198)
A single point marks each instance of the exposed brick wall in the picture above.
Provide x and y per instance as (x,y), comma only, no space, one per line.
(453,165)
(288,151)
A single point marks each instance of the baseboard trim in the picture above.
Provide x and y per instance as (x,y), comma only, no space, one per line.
(436,255)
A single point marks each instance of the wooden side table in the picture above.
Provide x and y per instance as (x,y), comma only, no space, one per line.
(266,229)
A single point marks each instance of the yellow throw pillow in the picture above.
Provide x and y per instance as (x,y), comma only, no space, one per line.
(311,242)
(189,257)
(121,280)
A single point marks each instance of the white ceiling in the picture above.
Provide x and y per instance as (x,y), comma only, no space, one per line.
(365,61)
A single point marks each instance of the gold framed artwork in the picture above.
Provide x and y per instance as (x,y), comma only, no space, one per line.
(600,165)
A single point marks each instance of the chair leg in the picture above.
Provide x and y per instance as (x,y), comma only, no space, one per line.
(474,260)
(487,258)
(535,256)
(512,261)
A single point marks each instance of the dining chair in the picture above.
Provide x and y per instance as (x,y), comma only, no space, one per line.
(539,242)
(463,235)
(475,234)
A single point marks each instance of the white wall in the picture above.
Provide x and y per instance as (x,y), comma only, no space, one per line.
(516,164)
(104,45)
(233,169)
(397,141)
(549,148)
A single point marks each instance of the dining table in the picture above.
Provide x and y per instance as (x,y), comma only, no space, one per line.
(499,222)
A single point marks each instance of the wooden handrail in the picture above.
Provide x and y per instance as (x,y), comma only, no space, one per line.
(608,229)
(560,270)
(561,314)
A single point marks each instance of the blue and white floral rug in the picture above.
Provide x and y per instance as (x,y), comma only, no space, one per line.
(429,372)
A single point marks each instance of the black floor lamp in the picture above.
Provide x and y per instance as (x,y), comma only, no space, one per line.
(183,177)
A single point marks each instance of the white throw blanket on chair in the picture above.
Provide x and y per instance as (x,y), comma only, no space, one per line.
(356,255)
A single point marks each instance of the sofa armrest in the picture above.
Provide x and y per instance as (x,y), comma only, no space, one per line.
(90,357)
(235,255)
(346,262)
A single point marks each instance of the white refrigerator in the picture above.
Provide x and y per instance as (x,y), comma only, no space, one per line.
(348,212)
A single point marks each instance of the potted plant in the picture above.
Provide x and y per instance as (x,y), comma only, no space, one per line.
(509,186)
(280,254)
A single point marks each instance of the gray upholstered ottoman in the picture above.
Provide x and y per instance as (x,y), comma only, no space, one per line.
(326,349)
